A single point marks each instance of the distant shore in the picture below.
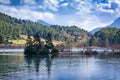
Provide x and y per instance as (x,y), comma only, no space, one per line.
(20,48)
(89,49)
(12,46)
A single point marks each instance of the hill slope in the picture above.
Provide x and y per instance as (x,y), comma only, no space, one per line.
(12,28)
(106,37)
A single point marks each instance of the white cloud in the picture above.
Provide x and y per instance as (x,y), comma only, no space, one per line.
(51,4)
(82,6)
(87,22)
(118,12)
(118,9)
(90,22)
(64,4)
(101,8)
(116,1)
(5,1)
(90,19)
(86,7)
(26,13)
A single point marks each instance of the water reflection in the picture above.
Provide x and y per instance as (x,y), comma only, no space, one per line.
(36,60)
(9,64)
(62,67)
(74,67)
(65,67)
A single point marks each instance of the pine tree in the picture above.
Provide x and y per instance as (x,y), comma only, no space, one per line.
(1,39)
(49,44)
(37,41)
(29,41)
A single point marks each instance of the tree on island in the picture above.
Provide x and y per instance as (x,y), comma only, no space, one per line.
(49,44)
(29,41)
(37,41)
(36,46)
(29,45)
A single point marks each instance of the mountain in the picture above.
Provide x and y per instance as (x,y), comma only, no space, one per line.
(115,24)
(43,23)
(95,30)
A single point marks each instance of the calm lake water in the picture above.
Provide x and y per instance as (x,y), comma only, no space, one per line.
(16,66)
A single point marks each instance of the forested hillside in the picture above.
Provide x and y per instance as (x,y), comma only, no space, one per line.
(106,37)
(12,28)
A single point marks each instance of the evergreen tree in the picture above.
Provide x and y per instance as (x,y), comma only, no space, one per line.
(49,44)
(1,39)
(29,41)
(37,41)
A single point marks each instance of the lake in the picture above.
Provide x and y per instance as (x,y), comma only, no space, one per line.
(16,66)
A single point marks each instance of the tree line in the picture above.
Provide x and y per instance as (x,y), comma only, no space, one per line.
(106,37)
(12,28)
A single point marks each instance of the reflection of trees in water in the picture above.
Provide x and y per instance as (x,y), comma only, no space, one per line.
(48,65)
(28,59)
(9,64)
(36,61)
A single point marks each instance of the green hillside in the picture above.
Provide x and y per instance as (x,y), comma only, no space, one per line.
(106,37)
(12,28)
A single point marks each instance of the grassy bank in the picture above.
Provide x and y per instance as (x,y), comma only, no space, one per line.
(22,41)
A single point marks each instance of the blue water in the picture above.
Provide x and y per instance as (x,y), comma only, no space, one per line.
(16,66)
(72,50)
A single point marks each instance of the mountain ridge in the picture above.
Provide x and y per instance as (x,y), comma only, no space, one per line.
(43,22)
(115,23)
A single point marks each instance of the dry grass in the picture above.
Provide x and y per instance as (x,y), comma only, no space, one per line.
(18,41)
(57,42)
(24,37)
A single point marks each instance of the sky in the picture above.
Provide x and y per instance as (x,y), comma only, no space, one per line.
(86,14)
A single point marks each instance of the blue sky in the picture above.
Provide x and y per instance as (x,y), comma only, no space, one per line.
(87,14)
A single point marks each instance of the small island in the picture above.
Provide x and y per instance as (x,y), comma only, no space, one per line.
(36,46)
